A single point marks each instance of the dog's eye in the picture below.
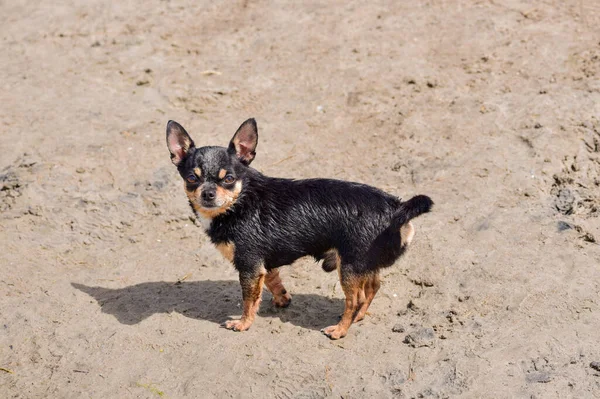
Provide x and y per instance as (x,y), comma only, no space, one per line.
(228,179)
(192,179)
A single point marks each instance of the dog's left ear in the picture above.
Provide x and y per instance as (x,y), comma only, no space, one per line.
(244,141)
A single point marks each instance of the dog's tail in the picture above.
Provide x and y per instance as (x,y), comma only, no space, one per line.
(410,209)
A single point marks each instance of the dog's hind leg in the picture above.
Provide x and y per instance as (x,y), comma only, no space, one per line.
(371,286)
(281,298)
(352,285)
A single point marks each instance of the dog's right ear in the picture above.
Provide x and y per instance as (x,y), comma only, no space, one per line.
(178,141)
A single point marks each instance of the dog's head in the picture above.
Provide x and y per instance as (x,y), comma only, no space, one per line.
(213,176)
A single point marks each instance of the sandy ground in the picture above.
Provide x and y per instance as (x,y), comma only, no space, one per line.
(490,107)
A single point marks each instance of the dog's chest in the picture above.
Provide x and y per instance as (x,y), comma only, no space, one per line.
(204,222)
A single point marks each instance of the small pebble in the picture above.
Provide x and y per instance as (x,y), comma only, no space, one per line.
(564,201)
(80,170)
(541,377)
(398,328)
(562,226)
(420,338)
(595,365)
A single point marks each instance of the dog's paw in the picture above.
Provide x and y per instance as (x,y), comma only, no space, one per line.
(335,332)
(358,317)
(236,325)
(282,301)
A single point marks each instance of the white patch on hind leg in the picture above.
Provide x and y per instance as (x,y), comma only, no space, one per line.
(407,233)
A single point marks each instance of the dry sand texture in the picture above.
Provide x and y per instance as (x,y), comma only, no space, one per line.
(490,107)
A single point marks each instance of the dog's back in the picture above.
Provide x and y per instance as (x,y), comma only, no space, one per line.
(286,219)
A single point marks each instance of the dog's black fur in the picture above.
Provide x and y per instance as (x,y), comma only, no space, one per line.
(271,222)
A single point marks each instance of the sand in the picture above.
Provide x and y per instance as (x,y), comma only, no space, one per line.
(109,289)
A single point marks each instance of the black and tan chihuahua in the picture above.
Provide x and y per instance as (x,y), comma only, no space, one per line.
(260,223)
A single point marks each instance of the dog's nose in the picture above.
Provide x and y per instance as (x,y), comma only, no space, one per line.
(208,195)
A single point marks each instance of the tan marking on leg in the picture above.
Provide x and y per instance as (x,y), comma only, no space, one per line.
(198,172)
(252,295)
(361,292)
(281,298)
(407,233)
(227,249)
(222,173)
(351,286)
(372,285)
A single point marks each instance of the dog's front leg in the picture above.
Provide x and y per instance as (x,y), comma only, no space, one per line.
(252,284)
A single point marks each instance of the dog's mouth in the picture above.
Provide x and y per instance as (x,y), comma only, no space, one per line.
(210,204)
(209,209)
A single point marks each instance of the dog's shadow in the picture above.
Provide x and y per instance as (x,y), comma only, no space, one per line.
(215,301)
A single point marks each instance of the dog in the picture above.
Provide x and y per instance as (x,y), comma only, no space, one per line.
(260,223)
